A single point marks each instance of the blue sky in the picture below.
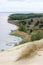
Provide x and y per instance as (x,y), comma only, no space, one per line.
(21,6)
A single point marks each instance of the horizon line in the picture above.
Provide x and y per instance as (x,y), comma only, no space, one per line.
(21,12)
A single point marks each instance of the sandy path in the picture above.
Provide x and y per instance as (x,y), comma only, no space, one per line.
(9,57)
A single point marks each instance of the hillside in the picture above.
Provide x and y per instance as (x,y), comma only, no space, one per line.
(31,24)
(31,21)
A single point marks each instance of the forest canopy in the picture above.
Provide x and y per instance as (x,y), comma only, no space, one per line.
(24,16)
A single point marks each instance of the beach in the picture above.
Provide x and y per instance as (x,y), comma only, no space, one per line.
(15,56)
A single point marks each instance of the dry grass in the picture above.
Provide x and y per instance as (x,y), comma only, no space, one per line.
(24,35)
(28,48)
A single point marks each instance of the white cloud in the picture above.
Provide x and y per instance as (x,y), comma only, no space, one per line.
(27,5)
(15,0)
(2,1)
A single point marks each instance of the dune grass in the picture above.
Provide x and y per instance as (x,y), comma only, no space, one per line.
(28,48)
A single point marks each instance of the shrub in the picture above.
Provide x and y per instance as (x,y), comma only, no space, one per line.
(41,25)
(23,22)
(36,36)
(31,30)
(31,20)
(22,27)
(36,23)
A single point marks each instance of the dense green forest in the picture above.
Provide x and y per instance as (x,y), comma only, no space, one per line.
(24,16)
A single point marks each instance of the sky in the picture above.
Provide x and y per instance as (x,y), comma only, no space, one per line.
(32,6)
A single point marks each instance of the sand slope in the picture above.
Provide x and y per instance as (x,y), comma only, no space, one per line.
(26,54)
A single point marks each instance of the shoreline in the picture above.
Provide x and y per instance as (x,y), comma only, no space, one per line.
(25,36)
(30,53)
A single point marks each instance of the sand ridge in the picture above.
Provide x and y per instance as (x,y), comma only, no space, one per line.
(25,54)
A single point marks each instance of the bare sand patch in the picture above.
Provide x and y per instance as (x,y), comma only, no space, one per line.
(24,35)
(30,53)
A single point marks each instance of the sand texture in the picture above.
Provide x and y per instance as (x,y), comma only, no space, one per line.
(30,53)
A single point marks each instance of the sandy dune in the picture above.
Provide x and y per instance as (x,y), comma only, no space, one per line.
(26,54)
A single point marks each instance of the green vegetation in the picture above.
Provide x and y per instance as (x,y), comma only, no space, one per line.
(22,28)
(31,30)
(29,24)
(37,36)
(31,20)
(23,22)
(24,16)
(37,23)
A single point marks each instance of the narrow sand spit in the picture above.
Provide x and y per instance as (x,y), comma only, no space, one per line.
(30,53)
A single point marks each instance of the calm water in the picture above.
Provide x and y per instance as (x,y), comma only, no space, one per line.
(6,40)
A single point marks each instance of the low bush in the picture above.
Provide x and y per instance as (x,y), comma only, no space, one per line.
(37,23)
(36,36)
(22,27)
(31,20)
(31,30)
